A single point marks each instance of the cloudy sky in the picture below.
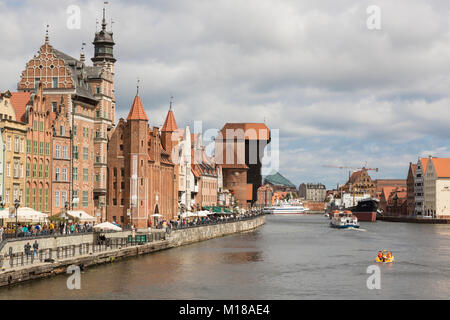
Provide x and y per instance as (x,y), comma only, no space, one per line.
(340,93)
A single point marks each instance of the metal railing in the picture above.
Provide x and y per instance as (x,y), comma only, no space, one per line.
(19,259)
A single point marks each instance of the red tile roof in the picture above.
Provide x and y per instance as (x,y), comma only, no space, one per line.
(170,124)
(442,167)
(137,111)
(19,101)
(253,131)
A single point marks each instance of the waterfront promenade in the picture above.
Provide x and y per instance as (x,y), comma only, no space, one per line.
(57,253)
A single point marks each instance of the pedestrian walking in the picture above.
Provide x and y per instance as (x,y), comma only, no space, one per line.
(36,248)
(1,233)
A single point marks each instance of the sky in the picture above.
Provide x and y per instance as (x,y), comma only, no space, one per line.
(340,93)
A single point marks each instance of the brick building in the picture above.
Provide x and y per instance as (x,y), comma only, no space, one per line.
(142,179)
(265,195)
(76,110)
(360,183)
(239,148)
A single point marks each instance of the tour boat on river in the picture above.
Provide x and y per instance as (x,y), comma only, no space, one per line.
(344,219)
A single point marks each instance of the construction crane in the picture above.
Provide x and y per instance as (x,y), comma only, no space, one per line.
(352,168)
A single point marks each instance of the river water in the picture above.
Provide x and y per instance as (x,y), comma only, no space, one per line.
(291,257)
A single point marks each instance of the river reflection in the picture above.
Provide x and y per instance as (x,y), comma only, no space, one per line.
(291,257)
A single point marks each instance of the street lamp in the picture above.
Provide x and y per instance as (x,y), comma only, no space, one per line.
(16,206)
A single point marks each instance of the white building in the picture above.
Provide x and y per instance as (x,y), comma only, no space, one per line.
(437,188)
(181,155)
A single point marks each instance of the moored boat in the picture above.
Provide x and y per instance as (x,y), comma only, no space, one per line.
(286,209)
(366,209)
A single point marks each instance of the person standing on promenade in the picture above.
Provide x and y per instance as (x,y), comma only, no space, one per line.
(1,233)
(27,249)
(36,248)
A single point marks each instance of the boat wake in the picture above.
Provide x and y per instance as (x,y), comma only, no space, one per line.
(356,229)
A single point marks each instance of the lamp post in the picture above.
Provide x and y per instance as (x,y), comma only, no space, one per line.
(16,206)
(66,206)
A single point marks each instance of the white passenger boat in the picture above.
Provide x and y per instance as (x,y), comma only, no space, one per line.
(286,209)
(344,219)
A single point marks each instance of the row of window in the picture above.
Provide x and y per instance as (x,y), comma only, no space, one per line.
(41,148)
(39,198)
(17,167)
(18,144)
(17,194)
(54,82)
(61,198)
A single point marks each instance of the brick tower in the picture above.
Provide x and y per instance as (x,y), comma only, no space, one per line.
(136,169)
(169,127)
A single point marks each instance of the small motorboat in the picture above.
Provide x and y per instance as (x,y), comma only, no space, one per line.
(343,220)
(384,257)
(326,215)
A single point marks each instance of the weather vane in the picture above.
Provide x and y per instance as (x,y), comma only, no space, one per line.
(137,86)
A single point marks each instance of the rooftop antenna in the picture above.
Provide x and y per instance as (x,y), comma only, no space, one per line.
(82,52)
(112,24)
(104,15)
(171,102)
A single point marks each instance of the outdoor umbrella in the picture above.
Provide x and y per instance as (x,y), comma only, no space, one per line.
(80,214)
(107,226)
(27,214)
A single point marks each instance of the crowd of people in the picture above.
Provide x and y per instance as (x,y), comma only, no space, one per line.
(62,228)
(44,229)
(197,221)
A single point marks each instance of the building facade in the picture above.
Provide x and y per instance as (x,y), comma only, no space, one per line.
(437,188)
(360,183)
(312,191)
(76,110)
(410,185)
(419,192)
(13,153)
(142,179)
(239,148)
(265,195)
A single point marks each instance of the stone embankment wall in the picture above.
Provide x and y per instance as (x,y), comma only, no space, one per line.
(175,239)
(414,220)
(191,235)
